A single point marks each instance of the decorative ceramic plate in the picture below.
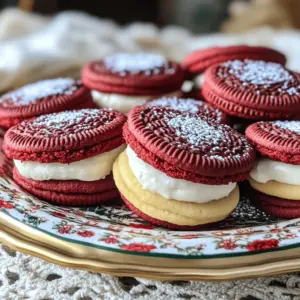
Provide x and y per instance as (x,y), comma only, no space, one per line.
(112,239)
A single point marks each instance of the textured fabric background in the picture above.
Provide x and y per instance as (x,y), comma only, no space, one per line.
(26,277)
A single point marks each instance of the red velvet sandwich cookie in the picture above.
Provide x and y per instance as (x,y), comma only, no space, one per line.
(197,62)
(255,90)
(125,80)
(67,157)
(190,105)
(43,97)
(197,159)
(275,176)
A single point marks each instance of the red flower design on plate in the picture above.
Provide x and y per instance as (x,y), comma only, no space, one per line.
(262,244)
(65,229)
(4,204)
(274,230)
(189,236)
(58,214)
(110,240)
(228,244)
(86,233)
(79,213)
(142,226)
(138,247)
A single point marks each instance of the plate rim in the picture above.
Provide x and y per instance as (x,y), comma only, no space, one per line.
(151,254)
(20,242)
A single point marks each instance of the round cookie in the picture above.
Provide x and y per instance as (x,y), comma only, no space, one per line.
(43,97)
(65,137)
(276,207)
(278,140)
(125,80)
(56,156)
(177,214)
(73,198)
(254,90)
(187,146)
(277,189)
(274,179)
(197,62)
(67,186)
(190,105)
(198,160)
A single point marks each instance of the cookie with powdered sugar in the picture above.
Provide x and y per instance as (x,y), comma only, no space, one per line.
(43,97)
(67,157)
(253,90)
(125,80)
(198,61)
(275,176)
(180,169)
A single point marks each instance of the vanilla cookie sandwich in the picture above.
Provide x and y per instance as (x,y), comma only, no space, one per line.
(43,97)
(180,170)
(123,81)
(275,178)
(67,157)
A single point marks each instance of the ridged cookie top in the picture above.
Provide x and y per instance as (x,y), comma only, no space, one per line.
(279,140)
(192,106)
(65,131)
(256,84)
(42,97)
(133,74)
(198,61)
(190,141)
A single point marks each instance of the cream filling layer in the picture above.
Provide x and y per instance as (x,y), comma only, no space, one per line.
(89,169)
(199,80)
(267,169)
(123,103)
(178,189)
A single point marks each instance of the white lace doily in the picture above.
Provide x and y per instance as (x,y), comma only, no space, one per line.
(26,277)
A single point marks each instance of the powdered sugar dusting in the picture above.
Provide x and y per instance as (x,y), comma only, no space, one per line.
(135,63)
(195,134)
(195,130)
(263,75)
(290,125)
(189,105)
(70,122)
(34,92)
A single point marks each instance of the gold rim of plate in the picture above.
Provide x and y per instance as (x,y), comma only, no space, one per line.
(25,239)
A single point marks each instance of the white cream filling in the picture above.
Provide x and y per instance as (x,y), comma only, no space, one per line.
(123,103)
(199,79)
(89,169)
(158,182)
(266,169)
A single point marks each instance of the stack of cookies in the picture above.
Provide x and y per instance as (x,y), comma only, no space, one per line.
(183,162)
(180,169)
(123,81)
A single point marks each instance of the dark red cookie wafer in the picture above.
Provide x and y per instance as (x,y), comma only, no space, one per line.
(182,144)
(65,137)
(43,97)
(277,207)
(253,90)
(74,199)
(163,223)
(68,186)
(133,74)
(198,61)
(278,140)
(190,105)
